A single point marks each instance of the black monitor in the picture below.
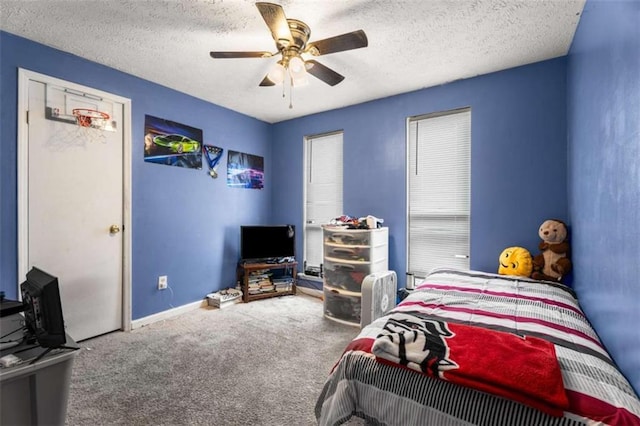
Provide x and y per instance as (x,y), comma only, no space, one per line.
(43,309)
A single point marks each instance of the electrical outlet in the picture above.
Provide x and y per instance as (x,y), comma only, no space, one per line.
(162,282)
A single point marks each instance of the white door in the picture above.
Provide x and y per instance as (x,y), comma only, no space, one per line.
(74,203)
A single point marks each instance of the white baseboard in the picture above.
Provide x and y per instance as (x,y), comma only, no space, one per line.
(169,313)
(310,291)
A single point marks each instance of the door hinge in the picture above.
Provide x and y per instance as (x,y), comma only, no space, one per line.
(27,116)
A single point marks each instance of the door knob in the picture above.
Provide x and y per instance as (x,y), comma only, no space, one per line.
(114,229)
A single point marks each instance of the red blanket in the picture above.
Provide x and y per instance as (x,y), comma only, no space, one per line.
(522,368)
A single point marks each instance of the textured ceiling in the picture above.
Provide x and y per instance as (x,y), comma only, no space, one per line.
(413,44)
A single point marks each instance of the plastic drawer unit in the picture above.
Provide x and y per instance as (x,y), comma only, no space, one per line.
(349,256)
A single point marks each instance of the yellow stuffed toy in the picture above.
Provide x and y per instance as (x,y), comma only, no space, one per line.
(515,261)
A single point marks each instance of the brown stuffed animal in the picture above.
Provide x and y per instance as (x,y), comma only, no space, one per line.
(552,264)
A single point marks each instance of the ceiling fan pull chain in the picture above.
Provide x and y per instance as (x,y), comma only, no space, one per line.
(290,93)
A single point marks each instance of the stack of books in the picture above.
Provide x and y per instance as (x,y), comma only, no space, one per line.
(259,282)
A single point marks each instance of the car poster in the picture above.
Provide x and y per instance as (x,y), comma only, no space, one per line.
(173,144)
(245,170)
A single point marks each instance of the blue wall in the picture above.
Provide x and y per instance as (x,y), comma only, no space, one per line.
(559,138)
(604,174)
(517,115)
(185,224)
(518,158)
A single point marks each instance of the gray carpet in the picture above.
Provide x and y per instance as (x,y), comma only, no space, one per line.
(257,363)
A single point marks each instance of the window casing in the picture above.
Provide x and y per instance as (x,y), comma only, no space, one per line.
(438,186)
(323,191)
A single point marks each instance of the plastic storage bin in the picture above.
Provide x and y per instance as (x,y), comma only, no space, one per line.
(349,256)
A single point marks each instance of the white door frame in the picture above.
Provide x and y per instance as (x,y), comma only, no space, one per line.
(23,179)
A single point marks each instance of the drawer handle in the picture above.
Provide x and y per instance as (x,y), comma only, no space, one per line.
(345,267)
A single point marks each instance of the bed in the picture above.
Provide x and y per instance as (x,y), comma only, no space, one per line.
(475,348)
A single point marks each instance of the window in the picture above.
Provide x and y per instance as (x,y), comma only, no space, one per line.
(438,181)
(323,191)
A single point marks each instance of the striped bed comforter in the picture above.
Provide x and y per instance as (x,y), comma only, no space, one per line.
(387,393)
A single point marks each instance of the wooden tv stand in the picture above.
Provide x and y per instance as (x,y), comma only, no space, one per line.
(261,277)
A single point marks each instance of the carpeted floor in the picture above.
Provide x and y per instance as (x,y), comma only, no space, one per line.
(257,363)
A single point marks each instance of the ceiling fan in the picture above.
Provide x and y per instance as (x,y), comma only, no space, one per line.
(292,41)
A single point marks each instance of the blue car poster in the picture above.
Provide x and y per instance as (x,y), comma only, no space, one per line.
(173,144)
(245,170)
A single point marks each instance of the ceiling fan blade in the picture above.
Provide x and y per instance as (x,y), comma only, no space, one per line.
(348,41)
(266,82)
(231,55)
(274,17)
(322,72)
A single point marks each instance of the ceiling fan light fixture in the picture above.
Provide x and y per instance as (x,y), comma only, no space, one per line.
(298,71)
(277,73)
(300,79)
(296,65)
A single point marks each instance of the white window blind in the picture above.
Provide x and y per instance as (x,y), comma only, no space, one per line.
(438,168)
(323,191)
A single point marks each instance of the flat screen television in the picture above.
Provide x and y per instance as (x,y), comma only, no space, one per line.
(43,309)
(267,243)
